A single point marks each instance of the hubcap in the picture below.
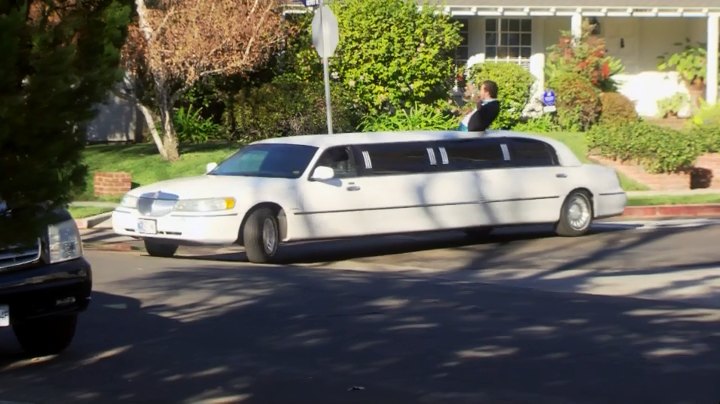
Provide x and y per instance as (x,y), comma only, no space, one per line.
(578,213)
(269,236)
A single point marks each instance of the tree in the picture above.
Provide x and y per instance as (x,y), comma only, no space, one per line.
(176,43)
(392,54)
(59,59)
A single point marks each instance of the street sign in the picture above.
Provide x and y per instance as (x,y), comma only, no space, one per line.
(325,32)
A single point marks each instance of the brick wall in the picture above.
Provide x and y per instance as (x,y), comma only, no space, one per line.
(706,174)
(111,183)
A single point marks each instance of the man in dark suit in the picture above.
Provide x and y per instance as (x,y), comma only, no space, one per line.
(488,107)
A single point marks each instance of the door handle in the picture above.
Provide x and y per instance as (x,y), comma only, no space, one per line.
(561,175)
(353,188)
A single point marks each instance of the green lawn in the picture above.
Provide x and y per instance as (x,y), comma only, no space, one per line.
(145,165)
(79,212)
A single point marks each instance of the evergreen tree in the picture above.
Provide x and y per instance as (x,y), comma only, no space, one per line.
(59,59)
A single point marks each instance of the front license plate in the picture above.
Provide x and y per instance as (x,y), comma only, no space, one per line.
(147,226)
(4,315)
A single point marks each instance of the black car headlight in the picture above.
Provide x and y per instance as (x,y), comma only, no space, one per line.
(63,242)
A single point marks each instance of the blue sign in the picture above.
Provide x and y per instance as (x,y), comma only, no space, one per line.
(549,97)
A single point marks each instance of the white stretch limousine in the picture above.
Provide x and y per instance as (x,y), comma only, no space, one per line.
(329,186)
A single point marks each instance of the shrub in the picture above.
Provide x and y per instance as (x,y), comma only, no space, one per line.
(689,62)
(707,116)
(705,128)
(420,117)
(672,105)
(586,56)
(393,53)
(657,149)
(542,124)
(282,108)
(514,84)
(578,103)
(708,137)
(616,109)
(192,127)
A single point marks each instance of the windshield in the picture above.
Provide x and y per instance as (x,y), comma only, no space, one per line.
(267,160)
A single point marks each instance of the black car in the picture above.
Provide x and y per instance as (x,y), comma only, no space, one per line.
(44,284)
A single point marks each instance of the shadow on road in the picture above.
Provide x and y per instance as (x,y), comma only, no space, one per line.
(276,335)
(362,247)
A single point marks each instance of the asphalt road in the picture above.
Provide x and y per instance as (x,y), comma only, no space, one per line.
(399,319)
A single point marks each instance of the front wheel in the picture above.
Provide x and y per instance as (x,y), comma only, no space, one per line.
(160,249)
(576,215)
(46,335)
(261,236)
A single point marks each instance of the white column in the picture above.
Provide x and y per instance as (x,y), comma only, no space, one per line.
(576,25)
(537,60)
(711,81)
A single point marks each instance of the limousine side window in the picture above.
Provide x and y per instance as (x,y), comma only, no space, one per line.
(341,160)
(471,154)
(398,158)
(532,153)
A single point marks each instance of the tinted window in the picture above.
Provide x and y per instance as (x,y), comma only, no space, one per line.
(529,152)
(397,158)
(471,154)
(341,160)
(268,160)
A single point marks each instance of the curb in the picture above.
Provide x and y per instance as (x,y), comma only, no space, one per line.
(92,221)
(711,209)
(122,246)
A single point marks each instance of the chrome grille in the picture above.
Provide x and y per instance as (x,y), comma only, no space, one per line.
(155,207)
(19,254)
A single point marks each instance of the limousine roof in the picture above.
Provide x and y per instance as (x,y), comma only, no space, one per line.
(566,156)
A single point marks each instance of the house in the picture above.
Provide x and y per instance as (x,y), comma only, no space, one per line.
(520,31)
(636,32)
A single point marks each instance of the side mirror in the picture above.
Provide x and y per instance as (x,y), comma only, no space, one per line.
(210,166)
(322,173)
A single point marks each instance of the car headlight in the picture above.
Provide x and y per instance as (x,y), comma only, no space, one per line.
(205,205)
(64,242)
(129,201)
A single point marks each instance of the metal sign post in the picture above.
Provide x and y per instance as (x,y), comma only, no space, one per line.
(328,104)
(325,39)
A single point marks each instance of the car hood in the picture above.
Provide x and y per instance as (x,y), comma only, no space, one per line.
(204,186)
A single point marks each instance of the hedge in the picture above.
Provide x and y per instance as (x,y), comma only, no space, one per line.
(657,149)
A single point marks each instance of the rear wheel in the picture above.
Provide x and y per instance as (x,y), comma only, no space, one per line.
(160,249)
(261,236)
(46,335)
(576,215)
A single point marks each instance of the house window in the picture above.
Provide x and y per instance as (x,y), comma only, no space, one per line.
(462,52)
(508,40)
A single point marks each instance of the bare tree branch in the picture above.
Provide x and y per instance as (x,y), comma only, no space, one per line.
(145,27)
(193,39)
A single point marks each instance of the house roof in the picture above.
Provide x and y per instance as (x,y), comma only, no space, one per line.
(638,8)
(590,8)
(587,3)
